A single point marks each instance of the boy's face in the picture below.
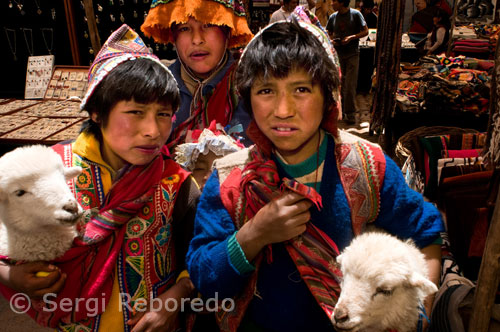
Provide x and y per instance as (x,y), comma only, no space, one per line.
(203,168)
(289,112)
(200,46)
(135,133)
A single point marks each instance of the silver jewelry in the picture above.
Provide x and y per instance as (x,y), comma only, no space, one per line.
(38,9)
(13,48)
(53,13)
(49,49)
(32,50)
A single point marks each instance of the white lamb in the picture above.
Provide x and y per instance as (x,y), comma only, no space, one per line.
(38,212)
(384,284)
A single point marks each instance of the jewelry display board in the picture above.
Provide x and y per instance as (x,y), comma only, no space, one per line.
(105,17)
(70,132)
(55,108)
(67,82)
(15,105)
(11,122)
(40,129)
(38,74)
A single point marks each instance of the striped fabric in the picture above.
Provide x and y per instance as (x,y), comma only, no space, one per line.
(313,252)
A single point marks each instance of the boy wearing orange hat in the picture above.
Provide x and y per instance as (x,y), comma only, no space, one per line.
(203,32)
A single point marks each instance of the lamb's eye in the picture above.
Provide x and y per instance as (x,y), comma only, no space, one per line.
(383,291)
(19,192)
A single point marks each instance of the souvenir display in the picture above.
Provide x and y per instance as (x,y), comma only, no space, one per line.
(16,105)
(67,82)
(55,108)
(11,122)
(38,74)
(40,129)
(109,16)
(70,132)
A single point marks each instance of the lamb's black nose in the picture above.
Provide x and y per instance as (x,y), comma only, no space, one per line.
(71,207)
(340,315)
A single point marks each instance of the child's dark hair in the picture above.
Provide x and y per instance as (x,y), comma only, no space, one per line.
(443,15)
(142,80)
(277,51)
(345,3)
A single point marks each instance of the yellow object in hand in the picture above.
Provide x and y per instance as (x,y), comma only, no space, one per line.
(42,274)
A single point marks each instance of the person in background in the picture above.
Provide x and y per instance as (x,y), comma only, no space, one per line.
(285,11)
(271,217)
(139,205)
(203,32)
(437,39)
(345,28)
(311,6)
(368,14)
(323,11)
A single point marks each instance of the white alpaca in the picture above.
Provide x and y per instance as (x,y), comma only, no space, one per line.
(38,212)
(384,283)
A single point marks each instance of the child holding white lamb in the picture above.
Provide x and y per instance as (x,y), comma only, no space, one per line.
(139,203)
(273,217)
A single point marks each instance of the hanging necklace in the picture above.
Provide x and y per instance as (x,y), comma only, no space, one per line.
(38,9)
(49,49)
(32,50)
(13,49)
(19,5)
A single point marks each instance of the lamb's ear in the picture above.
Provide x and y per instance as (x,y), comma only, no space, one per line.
(71,172)
(339,259)
(427,286)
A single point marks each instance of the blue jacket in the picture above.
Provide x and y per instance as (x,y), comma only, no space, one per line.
(285,303)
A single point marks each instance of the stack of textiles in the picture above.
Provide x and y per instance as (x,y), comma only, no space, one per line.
(431,158)
(451,173)
(448,170)
(464,32)
(479,47)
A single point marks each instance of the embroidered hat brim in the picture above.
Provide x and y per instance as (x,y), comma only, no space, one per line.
(164,13)
(123,45)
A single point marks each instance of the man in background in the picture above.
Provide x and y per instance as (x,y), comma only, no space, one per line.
(368,14)
(285,11)
(345,27)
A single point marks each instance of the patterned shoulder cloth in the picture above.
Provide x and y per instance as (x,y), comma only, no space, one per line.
(104,233)
(361,167)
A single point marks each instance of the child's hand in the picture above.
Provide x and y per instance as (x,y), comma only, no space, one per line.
(164,317)
(279,220)
(22,278)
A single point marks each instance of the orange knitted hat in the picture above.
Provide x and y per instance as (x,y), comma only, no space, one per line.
(164,13)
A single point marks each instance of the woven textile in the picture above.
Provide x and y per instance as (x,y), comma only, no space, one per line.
(123,45)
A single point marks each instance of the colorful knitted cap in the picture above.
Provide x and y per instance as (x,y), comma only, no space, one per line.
(123,45)
(164,13)
(199,142)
